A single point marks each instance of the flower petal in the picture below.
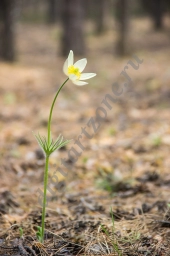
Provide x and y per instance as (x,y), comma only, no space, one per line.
(72,77)
(81,64)
(70,59)
(80,83)
(86,76)
(65,67)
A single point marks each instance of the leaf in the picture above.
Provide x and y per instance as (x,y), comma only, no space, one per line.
(52,146)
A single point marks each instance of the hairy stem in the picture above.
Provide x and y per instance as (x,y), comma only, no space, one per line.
(51,110)
(45,197)
(47,161)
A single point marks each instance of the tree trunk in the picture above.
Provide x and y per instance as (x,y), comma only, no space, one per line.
(157,12)
(54,9)
(51,15)
(73,31)
(7,44)
(155,8)
(100,16)
(122,18)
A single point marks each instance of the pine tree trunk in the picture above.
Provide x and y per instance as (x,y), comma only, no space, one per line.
(100,13)
(73,30)
(155,8)
(157,12)
(54,10)
(122,18)
(7,44)
(51,15)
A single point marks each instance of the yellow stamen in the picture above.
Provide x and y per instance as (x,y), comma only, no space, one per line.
(74,71)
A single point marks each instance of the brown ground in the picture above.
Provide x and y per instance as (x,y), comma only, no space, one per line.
(125,166)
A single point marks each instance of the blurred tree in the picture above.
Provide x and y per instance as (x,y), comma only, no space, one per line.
(73,30)
(100,15)
(52,15)
(54,10)
(156,9)
(7,44)
(122,18)
(157,12)
(90,7)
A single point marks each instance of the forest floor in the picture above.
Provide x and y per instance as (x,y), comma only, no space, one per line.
(115,199)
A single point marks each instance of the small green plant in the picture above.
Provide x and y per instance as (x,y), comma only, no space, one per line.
(74,72)
(112,236)
(156,141)
(105,184)
(9,98)
(39,233)
(132,237)
(112,131)
(21,232)
(107,181)
(85,159)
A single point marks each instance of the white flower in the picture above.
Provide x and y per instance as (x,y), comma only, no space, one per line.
(74,71)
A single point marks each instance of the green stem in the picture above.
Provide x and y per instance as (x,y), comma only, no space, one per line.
(47,162)
(45,192)
(51,110)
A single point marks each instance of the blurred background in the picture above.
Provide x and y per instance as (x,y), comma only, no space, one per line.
(35,39)
(69,24)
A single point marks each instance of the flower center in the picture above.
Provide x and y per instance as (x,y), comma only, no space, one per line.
(74,71)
